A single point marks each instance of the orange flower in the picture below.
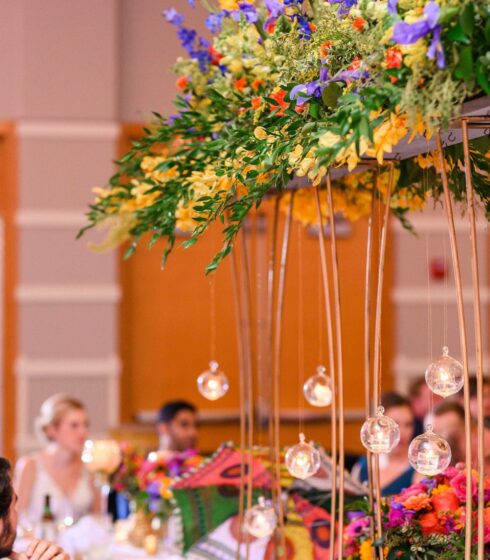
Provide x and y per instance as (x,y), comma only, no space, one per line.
(256,84)
(271,27)
(240,84)
(325,48)
(418,502)
(215,56)
(359,24)
(393,58)
(312,26)
(279,95)
(445,502)
(429,523)
(182,83)
(256,102)
(356,62)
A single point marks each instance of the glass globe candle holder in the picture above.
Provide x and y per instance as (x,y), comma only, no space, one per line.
(445,376)
(212,383)
(302,460)
(260,520)
(102,458)
(318,388)
(380,433)
(429,454)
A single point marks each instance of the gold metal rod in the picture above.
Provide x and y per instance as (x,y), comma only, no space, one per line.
(367,340)
(247,338)
(270,338)
(242,369)
(340,362)
(281,281)
(475,274)
(377,340)
(463,341)
(331,365)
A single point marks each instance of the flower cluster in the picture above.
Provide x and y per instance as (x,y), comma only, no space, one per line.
(427,516)
(287,88)
(148,479)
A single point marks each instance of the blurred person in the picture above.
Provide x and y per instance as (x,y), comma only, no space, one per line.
(37,550)
(474,397)
(447,420)
(57,470)
(422,399)
(177,426)
(486,445)
(394,469)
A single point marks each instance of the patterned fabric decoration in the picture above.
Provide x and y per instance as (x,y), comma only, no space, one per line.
(223,468)
(317,521)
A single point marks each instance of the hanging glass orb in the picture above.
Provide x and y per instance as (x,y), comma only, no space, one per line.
(302,460)
(318,388)
(260,520)
(212,383)
(445,376)
(380,433)
(429,454)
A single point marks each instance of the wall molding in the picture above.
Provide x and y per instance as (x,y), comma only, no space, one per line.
(68,130)
(438,295)
(51,219)
(68,293)
(61,368)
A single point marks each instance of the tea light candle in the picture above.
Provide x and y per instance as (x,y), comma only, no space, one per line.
(101,456)
(150,545)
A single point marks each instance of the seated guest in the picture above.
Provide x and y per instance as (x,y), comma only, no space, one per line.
(447,420)
(394,469)
(177,426)
(486,445)
(421,400)
(8,525)
(57,470)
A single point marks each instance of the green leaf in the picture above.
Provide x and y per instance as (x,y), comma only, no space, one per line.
(314,110)
(467,19)
(331,94)
(457,35)
(482,77)
(464,68)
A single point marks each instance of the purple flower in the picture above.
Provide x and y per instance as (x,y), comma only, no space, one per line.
(213,21)
(409,33)
(275,9)
(192,3)
(249,11)
(392,4)
(173,17)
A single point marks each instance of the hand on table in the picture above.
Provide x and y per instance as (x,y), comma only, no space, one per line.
(42,550)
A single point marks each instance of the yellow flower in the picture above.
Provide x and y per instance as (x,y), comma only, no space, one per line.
(232,4)
(366,550)
(328,140)
(415,55)
(387,135)
(119,228)
(441,489)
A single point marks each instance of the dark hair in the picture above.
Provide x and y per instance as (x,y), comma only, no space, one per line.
(6,490)
(414,387)
(473,385)
(170,410)
(392,399)
(449,406)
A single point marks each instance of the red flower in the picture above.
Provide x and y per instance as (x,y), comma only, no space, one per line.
(356,62)
(215,56)
(393,58)
(256,102)
(271,27)
(359,24)
(182,83)
(445,502)
(279,97)
(240,84)
(256,84)
(429,523)
(325,48)
(312,26)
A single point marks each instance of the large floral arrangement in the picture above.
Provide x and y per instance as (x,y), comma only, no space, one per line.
(426,520)
(291,88)
(148,480)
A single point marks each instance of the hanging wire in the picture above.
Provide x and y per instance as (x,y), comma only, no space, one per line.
(301,330)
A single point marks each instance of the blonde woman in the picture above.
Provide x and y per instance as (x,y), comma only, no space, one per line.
(57,470)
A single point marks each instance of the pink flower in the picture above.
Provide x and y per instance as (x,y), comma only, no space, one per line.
(410,492)
(458,484)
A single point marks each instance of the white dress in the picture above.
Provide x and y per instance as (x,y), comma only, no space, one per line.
(63,506)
